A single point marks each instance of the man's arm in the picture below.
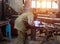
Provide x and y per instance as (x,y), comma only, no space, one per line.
(31,19)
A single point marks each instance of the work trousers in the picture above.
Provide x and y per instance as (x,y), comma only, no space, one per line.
(22,38)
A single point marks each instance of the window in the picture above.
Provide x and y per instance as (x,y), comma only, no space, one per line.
(44,4)
(35,4)
(54,5)
(49,4)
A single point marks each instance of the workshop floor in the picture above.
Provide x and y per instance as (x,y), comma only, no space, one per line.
(39,40)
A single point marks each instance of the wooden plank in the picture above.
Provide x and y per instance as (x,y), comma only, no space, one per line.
(49,20)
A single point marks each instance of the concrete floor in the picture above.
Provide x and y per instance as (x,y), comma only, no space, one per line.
(39,40)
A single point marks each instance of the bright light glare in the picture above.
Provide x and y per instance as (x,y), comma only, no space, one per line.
(38,4)
(44,4)
(35,4)
(48,4)
(54,5)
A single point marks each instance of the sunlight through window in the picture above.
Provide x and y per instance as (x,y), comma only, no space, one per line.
(38,4)
(44,4)
(54,5)
(35,4)
(48,4)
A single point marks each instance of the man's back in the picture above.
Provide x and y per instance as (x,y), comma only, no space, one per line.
(19,22)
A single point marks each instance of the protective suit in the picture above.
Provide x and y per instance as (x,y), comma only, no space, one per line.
(19,25)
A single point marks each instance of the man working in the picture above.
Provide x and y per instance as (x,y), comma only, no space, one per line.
(27,16)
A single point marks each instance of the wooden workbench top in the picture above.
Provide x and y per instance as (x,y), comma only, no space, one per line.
(49,20)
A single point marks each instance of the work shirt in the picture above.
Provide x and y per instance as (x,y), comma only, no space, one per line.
(19,22)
